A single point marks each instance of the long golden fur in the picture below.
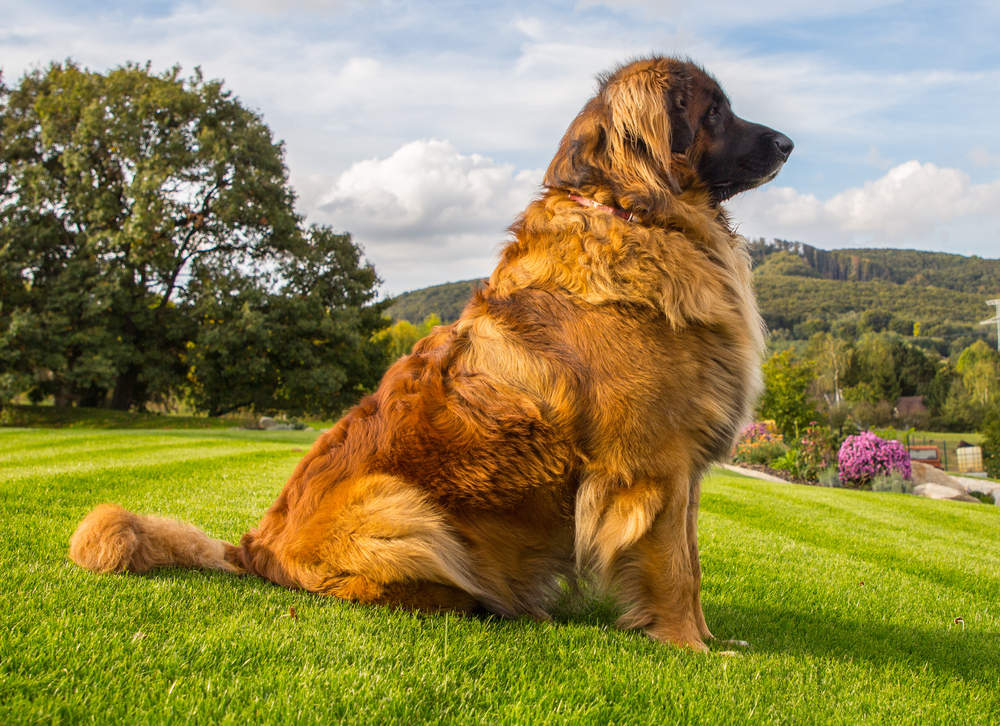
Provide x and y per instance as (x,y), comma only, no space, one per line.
(562,425)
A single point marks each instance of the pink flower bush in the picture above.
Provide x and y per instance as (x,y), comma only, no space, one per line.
(865,456)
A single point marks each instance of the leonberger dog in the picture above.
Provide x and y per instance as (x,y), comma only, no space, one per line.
(562,425)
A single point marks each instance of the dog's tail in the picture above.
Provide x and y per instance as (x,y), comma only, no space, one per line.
(112,539)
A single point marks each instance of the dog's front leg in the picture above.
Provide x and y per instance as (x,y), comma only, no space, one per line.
(692,537)
(639,543)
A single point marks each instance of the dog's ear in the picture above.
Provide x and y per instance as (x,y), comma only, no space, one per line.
(581,161)
(647,104)
(624,138)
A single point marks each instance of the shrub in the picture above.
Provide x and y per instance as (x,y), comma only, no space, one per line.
(790,462)
(758,445)
(863,457)
(984,497)
(786,392)
(829,477)
(892,482)
(816,451)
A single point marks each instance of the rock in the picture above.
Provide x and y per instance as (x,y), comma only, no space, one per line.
(940,491)
(267,423)
(927,474)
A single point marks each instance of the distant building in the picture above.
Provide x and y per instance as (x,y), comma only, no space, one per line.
(911,407)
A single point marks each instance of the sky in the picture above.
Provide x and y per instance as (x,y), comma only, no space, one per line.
(424,128)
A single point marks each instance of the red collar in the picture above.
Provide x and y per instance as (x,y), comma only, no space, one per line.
(584,202)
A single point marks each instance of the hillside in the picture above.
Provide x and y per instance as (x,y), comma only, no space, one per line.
(446,301)
(803,289)
(903,267)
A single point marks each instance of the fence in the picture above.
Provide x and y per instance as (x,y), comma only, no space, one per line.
(948,449)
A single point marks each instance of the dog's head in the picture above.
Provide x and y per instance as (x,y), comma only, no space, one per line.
(658,127)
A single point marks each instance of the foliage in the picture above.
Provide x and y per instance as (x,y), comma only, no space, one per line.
(984,497)
(400,338)
(790,461)
(893,482)
(817,451)
(786,398)
(117,189)
(65,417)
(142,214)
(757,445)
(786,263)
(788,301)
(833,357)
(991,443)
(298,341)
(829,477)
(979,366)
(863,457)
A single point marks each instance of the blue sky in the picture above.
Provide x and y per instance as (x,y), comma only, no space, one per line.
(423,128)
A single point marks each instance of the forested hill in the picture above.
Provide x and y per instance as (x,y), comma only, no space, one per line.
(903,267)
(803,290)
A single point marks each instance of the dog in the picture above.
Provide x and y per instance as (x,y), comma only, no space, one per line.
(562,425)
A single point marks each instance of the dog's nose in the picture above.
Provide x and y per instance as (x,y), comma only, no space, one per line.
(784,144)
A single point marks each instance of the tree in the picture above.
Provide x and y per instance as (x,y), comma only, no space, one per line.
(401,337)
(979,366)
(786,398)
(116,192)
(833,356)
(299,339)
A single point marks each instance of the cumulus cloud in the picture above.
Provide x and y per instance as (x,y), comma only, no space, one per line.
(427,208)
(981,156)
(911,204)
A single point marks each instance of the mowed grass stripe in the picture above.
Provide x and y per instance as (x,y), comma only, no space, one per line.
(89,454)
(808,599)
(780,571)
(952,543)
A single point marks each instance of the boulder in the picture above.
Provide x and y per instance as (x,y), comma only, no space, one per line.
(939,491)
(927,474)
(935,484)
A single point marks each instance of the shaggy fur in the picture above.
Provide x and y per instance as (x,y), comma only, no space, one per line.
(563,423)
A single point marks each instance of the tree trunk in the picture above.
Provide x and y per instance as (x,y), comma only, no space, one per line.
(124,395)
(65,395)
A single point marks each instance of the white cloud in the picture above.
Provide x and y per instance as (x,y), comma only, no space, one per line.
(912,205)
(739,11)
(426,207)
(981,156)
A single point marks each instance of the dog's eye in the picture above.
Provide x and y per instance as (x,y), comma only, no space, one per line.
(713,112)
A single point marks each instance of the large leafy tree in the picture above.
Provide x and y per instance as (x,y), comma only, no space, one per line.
(297,339)
(117,192)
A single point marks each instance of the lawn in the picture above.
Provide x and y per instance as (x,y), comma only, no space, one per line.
(848,599)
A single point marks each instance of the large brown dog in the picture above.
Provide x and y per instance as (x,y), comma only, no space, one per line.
(563,424)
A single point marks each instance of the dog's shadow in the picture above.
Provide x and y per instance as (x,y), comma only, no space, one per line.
(954,649)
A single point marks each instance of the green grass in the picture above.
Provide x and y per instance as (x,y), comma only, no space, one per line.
(848,600)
